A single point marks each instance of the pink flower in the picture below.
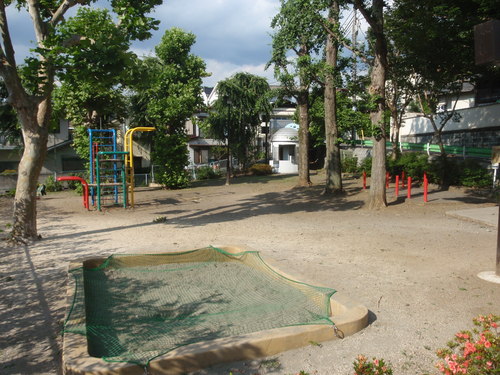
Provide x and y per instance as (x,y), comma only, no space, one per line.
(489,364)
(469,348)
(487,344)
(376,362)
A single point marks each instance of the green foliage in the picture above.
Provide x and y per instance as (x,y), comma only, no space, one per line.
(413,28)
(242,98)
(171,156)
(366,166)
(52,185)
(261,169)
(81,142)
(10,193)
(168,94)
(95,70)
(349,164)
(207,173)
(473,352)
(475,175)
(414,165)
(443,171)
(363,366)
(450,171)
(9,125)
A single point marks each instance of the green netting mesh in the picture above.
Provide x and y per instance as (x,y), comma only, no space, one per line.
(133,308)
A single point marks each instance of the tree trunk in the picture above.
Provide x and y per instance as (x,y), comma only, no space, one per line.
(333,167)
(395,135)
(304,179)
(228,168)
(34,121)
(377,90)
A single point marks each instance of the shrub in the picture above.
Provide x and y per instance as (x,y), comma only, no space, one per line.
(366,165)
(9,171)
(414,164)
(261,169)
(452,171)
(474,175)
(206,173)
(172,179)
(363,366)
(349,164)
(52,185)
(473,352)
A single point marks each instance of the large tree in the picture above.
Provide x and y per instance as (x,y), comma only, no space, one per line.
(31,86)
(168,95)
(333,184)
(243,100)
(436,43)
(91,93)
(297,40)
(374,16)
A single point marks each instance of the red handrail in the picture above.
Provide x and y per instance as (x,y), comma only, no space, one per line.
(84,184)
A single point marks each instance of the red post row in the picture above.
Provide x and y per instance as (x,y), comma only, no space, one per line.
(426,186)
(409,188)
(397,185)
(387,177)
(364,180)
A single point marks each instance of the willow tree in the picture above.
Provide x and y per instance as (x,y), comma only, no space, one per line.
(236,115)
(297,32)
(31,85)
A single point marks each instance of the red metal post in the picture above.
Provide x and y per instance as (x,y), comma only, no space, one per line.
(409,188)
(387,177)
(364,180)
(426,184)
(397,186)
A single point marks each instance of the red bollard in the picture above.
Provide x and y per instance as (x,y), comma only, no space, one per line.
(387,177)
(397,186)
(426,185)
(409,188)
(403,179)
(364,180)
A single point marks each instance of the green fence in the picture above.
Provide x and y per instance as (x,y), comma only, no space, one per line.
(430,148)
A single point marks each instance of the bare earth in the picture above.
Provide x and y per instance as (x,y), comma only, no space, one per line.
(412,265)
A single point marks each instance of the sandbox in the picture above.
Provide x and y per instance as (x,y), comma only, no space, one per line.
(294,314)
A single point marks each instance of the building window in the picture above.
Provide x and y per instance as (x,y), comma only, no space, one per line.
(72,164)
(488,92)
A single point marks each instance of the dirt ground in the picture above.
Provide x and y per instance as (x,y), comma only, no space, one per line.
(412,265)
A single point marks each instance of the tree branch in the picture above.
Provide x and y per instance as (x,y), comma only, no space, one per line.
(8,54)
(59,13)
(366,14)
(38,24)
(343,42)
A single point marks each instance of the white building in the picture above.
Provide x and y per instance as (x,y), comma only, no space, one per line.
(477,123)
(285,148)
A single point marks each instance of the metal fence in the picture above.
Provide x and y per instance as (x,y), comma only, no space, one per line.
(463,151)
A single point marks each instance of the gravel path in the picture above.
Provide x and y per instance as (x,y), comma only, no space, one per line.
(412,265)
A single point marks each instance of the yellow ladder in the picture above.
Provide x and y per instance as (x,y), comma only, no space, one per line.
(129,159)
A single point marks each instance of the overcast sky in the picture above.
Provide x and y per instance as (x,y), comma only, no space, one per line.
(231,35)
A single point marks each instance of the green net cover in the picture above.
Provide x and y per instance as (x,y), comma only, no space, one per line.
(134,308)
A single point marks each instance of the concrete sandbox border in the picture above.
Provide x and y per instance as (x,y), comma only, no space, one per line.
(348,315)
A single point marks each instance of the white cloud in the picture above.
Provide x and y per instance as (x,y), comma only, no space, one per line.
(222,70)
